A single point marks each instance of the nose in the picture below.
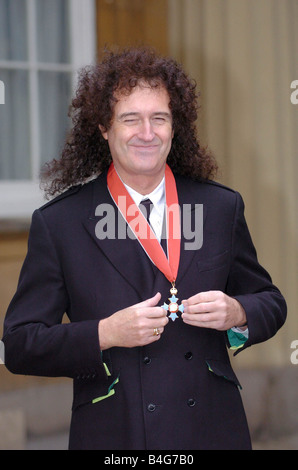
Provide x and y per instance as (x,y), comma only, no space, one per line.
(146,132)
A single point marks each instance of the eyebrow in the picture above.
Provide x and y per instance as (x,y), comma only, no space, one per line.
(158,113)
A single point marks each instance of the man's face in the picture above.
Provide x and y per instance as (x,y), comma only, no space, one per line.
(141,133)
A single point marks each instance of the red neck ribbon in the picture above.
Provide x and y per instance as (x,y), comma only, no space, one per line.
(131,213)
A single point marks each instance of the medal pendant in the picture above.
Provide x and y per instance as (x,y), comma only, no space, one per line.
(173,307)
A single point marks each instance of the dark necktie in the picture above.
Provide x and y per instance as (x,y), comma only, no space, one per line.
(146,207)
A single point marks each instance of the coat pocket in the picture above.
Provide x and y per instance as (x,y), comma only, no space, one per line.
(110,390)
(94,391)
(223,369)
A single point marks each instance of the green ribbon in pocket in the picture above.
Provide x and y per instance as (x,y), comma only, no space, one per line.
(111,390)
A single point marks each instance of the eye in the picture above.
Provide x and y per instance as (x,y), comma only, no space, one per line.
(130,121)
(159,120)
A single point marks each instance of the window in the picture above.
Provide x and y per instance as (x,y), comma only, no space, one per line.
(43,43)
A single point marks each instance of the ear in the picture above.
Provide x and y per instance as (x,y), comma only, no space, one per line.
(103,132)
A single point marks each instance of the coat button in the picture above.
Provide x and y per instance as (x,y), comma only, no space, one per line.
(146,360)
(151,407)
(191,402)
(188,355)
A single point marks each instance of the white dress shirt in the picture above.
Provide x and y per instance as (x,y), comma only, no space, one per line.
(158,199)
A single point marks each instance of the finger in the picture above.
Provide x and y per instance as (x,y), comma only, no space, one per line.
(213,320)
(157,331)
(155,313)
(151,302)
(195,320)
(202,302)
(206,296)
(200,308)
(192,302)
(202,319)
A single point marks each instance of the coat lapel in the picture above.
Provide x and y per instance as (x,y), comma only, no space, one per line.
(126,254)
(192,221)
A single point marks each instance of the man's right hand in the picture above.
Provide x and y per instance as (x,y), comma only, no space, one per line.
(133,326)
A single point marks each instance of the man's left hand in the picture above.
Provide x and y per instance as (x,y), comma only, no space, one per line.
(213,309)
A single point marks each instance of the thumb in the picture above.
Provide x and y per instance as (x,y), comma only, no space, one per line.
(151,302)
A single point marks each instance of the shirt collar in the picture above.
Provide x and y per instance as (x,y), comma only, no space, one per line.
(157,196)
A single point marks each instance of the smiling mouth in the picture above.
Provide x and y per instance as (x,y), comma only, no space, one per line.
(145,147)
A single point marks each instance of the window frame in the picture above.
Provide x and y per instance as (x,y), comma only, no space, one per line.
(19,198)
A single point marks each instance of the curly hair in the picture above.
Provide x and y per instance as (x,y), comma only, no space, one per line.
(86,153)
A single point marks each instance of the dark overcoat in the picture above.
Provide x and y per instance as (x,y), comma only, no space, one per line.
(177,393)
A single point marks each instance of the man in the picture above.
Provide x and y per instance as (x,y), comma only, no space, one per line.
(149,327)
